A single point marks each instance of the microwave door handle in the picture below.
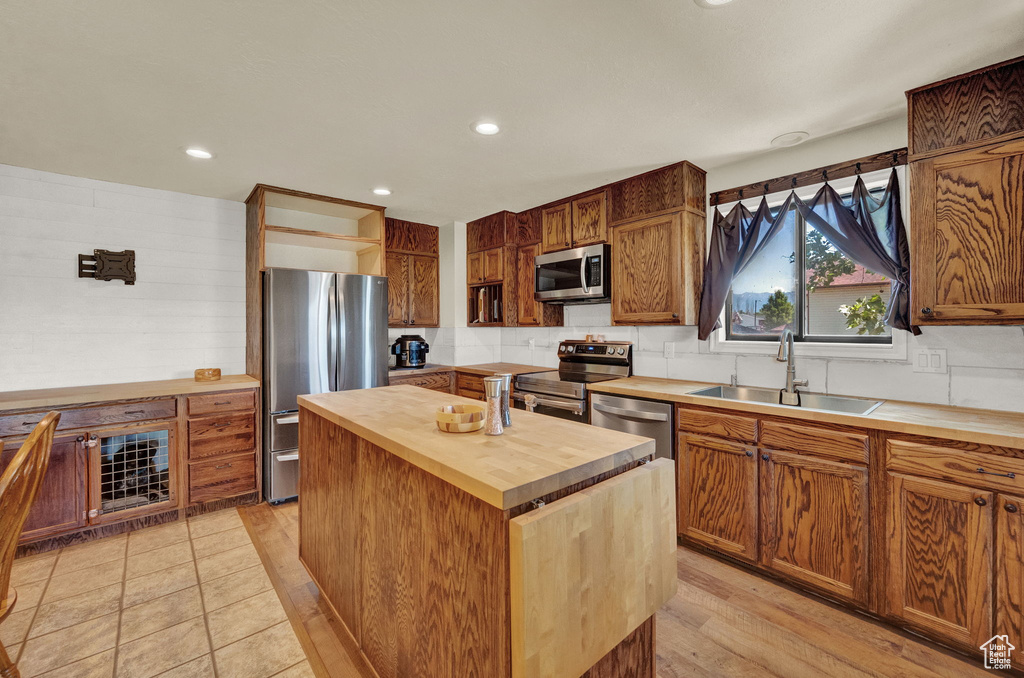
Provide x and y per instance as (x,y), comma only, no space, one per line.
(583,275)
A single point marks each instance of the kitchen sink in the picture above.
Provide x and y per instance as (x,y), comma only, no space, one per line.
(808,401)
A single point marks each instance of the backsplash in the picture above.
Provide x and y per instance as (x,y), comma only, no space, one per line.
(985,364)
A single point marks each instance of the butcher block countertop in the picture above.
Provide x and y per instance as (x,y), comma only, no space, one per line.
(487,369)
(79,395)
(429,368)
(987,427)
(536,456)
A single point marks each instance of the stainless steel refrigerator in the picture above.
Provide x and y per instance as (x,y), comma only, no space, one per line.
(321,332)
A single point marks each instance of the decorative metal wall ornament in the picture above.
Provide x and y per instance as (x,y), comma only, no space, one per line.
(108,265)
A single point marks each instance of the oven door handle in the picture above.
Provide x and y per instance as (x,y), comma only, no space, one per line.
(583,275)
(575,407)
(631,414)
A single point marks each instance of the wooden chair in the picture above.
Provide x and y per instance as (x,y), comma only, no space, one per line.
(19,486)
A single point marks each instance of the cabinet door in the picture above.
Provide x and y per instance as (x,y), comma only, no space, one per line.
(718,495)
(968,257)
(555,228)
(398,289)
(424,292)
(493,268)
(1010,571)
(940,558)
(475,268)
(647,271)
(60,504)
(589,220)
(528,309)
(814,522)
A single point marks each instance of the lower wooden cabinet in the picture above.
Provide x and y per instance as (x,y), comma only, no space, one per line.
(61,503)
(469,385)
(435,381)
(940,558)
(222,477)
(814,522)
(1009,584)
(718,495)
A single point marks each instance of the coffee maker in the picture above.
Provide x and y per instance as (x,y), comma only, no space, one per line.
(410,350)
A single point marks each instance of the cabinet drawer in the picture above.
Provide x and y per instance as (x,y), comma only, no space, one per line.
(976,469)
(839,445)
(438,381)
(221,434)
(221,402)
(469,382)
(730,426)
(87,417)
(221,477)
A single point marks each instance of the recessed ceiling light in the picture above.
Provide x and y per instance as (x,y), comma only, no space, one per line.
(789,139)
(486,128)
(711,4)
(382,191)
(199,153)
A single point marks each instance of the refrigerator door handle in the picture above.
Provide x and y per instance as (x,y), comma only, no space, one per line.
(332,338)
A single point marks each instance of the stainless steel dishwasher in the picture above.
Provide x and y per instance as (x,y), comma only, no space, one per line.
(647,418)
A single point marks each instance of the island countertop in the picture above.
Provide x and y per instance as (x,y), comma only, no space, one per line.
(535,456)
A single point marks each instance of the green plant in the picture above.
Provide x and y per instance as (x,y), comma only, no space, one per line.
(824,262)
(778,310)
(866,315)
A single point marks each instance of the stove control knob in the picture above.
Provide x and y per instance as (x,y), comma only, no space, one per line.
(622,351)
(561,349)
(568,349)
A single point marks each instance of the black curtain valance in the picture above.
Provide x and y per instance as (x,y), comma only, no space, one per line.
(870,232)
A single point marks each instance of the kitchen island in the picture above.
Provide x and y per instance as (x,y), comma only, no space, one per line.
(541,552)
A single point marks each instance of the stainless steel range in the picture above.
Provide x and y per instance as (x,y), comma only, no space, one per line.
(563,392)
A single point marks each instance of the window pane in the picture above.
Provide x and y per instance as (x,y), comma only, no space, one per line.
(843,298)
(764,296)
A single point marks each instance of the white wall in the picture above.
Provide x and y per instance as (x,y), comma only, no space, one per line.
(186,310)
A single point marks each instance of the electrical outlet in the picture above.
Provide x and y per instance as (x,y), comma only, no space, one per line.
(670,349)
(931,360)
(532,343)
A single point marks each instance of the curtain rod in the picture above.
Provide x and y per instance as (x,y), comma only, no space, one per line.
(869,163)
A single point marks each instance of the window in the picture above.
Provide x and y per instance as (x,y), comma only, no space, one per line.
(800,281)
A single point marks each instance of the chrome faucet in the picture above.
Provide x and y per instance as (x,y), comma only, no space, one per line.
(787,355)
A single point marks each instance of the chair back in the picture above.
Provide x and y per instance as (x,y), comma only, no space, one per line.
(19,486)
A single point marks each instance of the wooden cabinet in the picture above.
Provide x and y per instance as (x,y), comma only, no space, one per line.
(657,265)
(967,209)
(966,144)
(435,381)
(528,227)
(940,558)
(1009,570)
(556,228)
(577,223)
(814,522)
(590,220)
(494,269)
(494,230)
(222,449)
(60,505)
(530,311)
(718,495)
(475,268)
(414,287)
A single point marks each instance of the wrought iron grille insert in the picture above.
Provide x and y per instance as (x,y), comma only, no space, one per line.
(134,470)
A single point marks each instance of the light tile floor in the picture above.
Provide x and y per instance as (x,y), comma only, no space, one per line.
(185,600)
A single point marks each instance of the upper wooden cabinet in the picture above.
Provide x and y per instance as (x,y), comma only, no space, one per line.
(680,186)
(414,288)
(556,228)
(494,268)
(529,310)
(577,223)
(528,227)
(967,213)
(657,269)
(491,231)
(967,198)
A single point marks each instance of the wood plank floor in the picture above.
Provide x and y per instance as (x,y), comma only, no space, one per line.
(723,621)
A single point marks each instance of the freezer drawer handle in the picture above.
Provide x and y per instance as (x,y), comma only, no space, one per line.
(290,419)
(293,456)
(632,414)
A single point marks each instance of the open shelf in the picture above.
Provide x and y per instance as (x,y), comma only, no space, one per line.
(485,305)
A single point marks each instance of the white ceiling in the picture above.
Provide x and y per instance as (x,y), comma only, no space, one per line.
(339,97)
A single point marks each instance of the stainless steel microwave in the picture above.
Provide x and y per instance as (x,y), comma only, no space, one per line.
(576,276)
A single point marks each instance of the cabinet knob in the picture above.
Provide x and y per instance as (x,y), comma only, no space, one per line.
(412,321)
(980,501)
(765,457)
(566,243)
(926,310)
(675,315)
(750,453)
(1011,508)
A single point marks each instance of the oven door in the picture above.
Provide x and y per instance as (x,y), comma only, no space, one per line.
(580,274)
(554,406)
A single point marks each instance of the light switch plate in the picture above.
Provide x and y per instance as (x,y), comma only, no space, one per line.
(931,360)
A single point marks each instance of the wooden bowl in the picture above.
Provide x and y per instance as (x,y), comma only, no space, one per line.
(460,418)
(208,374)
